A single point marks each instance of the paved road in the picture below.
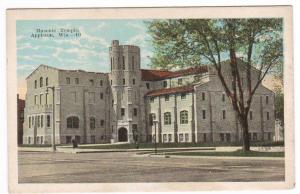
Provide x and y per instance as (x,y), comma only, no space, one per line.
(50,167)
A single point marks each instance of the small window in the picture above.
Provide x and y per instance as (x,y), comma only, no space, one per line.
(166,97)
(47,81)
(267,99)
(92,123)
(135,112)
(76,80)
(223,97)
(35,84)
(152,99)
(224,114)
(124,82)
(268,116)
(102,123)
(92,82)
(133,81)
(203,96)
(179,81)
(132,62)
(165,84)
(183,96)
(184,117)
(48,120)
(68,81)
(101,82)
(35,99)
(167,118)
(41,98)
(29,122)
(73,122)
(169,137)
(101,95)
(123,60)
(222,138)
(42,120)
(228,137)
(122,111)
(250,115)
(203,114)
(41,81)
(68,139)
(110,82)
(148,85)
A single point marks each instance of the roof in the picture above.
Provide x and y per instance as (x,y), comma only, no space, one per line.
(156,75)
(164,91)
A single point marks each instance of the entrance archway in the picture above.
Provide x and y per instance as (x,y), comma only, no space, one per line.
(122,135)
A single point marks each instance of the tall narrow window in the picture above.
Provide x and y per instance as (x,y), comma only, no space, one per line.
(167,118)
(111,63)
(35,99)
(135,112)
(203,96)
(92,82)
(267,99)
(47,81)
(48,120)
(123,60)
(46,98)
(224,114)
(183,95)
(92,123)
(29,122)
(41,98)
(132,62)
(123,81)
(250,115)
(223,97)
(102,123)
(268,116)
(76,80)
(184,117)
(101,82)
(41,81)
(122,111)
(101,96)
(148,85)
(42,120)
(68,80)
(133,81)
(35,84)
(203,114)
(165,84)
(167,97)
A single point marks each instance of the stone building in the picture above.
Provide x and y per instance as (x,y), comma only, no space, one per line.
(132,104)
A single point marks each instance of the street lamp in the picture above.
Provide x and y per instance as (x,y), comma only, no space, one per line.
(155,140)
(53,116)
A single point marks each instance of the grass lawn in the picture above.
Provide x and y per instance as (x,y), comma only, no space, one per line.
(173,145)
(238,153)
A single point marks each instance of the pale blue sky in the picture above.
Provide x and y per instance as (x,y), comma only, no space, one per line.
(88,52)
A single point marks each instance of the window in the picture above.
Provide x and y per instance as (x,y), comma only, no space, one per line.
(123,60)
(169,137)
(101,82)
(101,95)
(167,118)
(35,99)
(48,120)
(29,122)
(186,137)
(110,82)
(228,137)
(35,84)
(122,111)
(102,123)
(38,139)
(166,97)
(42,120)
(42,139)
(179,81)
(180,137)
(165,84)
(165,137)
(41,98)
(224,114)
(92,82)
(267,99)
(183,95)
(68,139)
(134,112)
(91,97)
(184,117)
(73,122)
(92,123)
(68,81)
(250,115)
(223,97)
(203,96)
(123,81)
(132,62)
(111,63)
(203,114)
(47,82)
(152,117)
(32,121)
(76,80)
(148,85)
(222,138)
(46,98)
(268,116)
(152,99)
(41,81)
(93,139)
(133,81)
(39,121)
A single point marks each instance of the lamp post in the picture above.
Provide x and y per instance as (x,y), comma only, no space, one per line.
(155,140)
(53,116)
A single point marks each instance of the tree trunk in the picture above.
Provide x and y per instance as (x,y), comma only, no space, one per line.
(245,130)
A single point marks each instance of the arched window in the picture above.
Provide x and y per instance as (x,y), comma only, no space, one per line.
(92,123)
(183,117)
(35,84)
(47,81)
(41,81)
(73,122)
(167,118)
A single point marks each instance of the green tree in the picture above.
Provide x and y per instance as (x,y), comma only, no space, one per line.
(192,42)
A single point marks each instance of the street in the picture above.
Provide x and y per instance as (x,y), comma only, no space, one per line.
(47,167)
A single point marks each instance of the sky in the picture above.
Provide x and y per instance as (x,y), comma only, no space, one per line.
(89,51)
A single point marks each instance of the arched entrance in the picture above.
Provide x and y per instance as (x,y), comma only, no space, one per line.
(122,135)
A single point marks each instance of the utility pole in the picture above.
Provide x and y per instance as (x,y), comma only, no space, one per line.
(53,116)
(155,141)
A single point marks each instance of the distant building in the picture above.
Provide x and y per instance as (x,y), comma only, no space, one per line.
(20,112)
(188,105)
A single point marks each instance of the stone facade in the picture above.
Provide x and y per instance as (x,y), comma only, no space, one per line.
(186,106)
